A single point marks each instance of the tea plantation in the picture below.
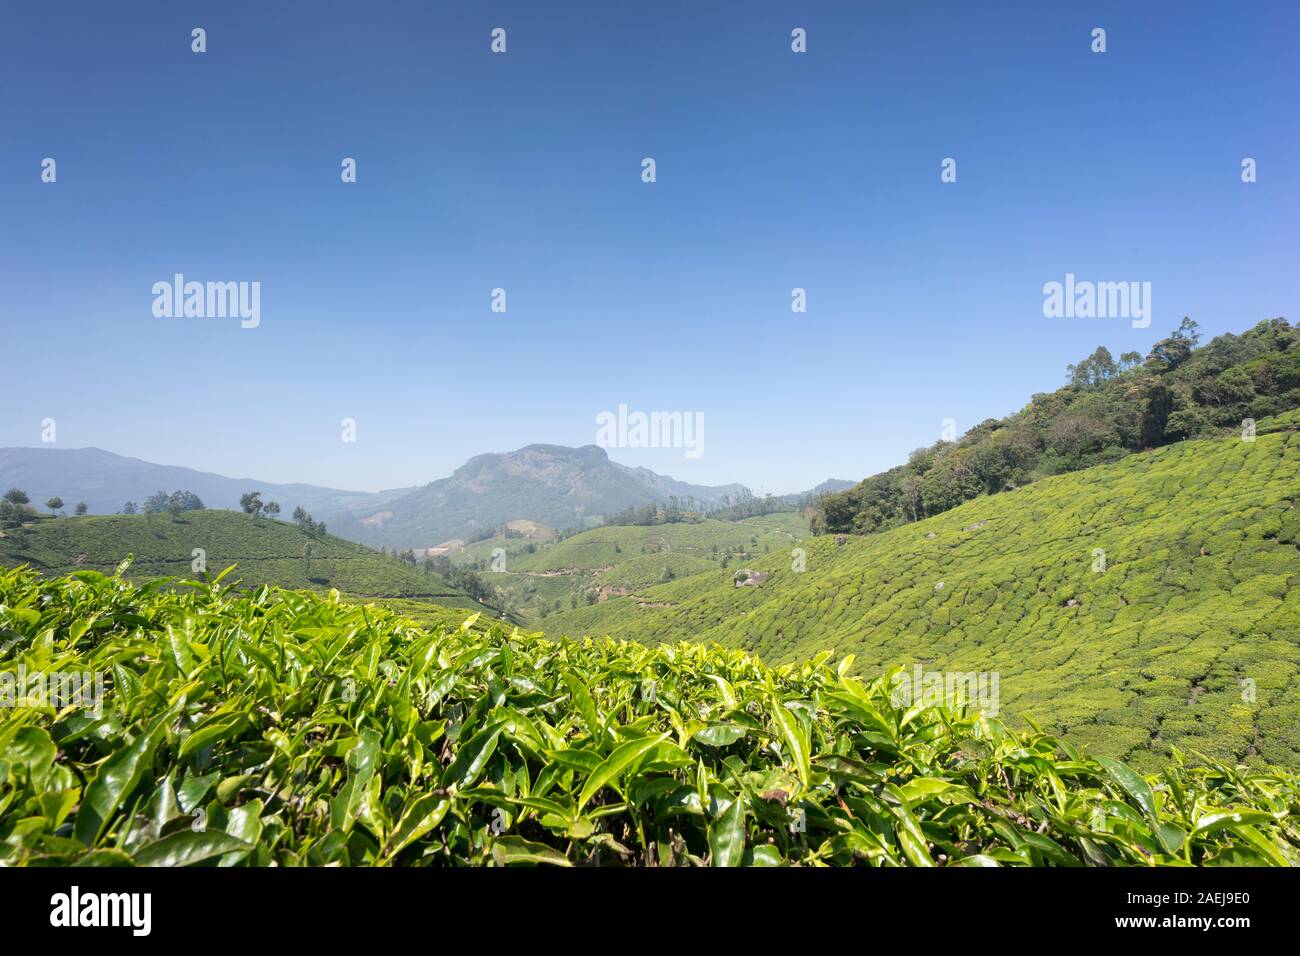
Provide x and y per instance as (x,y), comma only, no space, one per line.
(266,552)
(541,578)
(1130,608)
(289,728)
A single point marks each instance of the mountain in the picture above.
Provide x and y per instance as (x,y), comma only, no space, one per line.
(106,481)
(827,487)
(266,552)
(1129,607)
(554,485)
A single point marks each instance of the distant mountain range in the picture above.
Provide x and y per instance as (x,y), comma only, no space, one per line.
(105,482)
(553,485)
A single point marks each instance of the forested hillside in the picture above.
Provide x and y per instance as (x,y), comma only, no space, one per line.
(1110,408)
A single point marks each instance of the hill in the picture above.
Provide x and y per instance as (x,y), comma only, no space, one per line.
(106,481)
(538,578)
(294,730)
(1108,410)
(552,485)
(266,552)
(1187,635)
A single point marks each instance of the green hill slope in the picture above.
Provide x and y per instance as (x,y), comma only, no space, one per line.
(1190,636)
(541,578)
(612,544)
(266,552)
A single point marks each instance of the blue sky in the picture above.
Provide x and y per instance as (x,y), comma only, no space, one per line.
(522,171)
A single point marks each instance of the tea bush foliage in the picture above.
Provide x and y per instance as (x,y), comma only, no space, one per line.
(289,728)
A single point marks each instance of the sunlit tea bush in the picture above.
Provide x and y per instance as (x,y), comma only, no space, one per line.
(285,728)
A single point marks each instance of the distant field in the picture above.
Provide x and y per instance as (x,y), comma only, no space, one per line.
(1189,637)
(266,552)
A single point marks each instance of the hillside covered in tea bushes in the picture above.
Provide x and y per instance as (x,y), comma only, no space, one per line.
(265,552)
(535,579)
(1131,607)
(290,728)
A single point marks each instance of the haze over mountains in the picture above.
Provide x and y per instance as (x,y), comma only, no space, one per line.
(553,485)
(105,481)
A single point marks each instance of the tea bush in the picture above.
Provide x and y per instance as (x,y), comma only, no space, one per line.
(290,728)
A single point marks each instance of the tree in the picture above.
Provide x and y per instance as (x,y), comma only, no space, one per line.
(129,508)
(189,501)
(251,502)
(1097,368)
(272,509)
(1232,386)
(952,480)
(1189,330)
(315,528)
(156,503)
(174,506)
(1167,354)
(1076,435)
(14,508)
(1155,414)
(55,504)
(909,486)
(81,508)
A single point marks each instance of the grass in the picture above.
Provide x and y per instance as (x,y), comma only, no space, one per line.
(290,728)
(266,552)
(1189,638)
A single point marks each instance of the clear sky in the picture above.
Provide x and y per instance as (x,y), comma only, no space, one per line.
(522,170)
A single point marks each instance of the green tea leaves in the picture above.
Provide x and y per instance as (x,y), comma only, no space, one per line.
(290,729)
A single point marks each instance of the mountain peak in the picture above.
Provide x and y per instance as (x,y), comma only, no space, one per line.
(559,486)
